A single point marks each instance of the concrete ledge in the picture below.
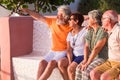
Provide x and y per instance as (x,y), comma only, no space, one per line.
(25,67)
(16,35)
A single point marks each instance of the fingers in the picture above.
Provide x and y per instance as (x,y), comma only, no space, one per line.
(24,9)
(79,66)
(88,27)
(84,67)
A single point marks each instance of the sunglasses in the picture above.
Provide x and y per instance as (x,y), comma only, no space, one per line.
(71,19)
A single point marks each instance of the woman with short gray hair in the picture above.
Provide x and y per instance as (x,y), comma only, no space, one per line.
(96,14)
(95,47)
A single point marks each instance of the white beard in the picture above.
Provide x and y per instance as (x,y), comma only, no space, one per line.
(60,22)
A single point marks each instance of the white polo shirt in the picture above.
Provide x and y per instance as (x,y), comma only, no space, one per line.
(114,44)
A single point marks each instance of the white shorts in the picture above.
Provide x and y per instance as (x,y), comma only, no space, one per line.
(55,55)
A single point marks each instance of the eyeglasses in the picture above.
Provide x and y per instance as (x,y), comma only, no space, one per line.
(103,18)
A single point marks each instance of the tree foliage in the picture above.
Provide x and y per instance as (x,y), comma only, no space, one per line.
(87,5)
(39,5)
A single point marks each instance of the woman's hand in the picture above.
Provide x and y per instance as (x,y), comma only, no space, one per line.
(81,64)
(83,67)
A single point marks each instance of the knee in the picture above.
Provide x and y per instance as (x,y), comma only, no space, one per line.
(52,63)
(103,77)
(119,77)
(92,73)
(70,69)
(62,63)
(43,63)
(106,76)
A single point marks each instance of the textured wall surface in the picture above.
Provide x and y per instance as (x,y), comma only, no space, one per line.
(25,67)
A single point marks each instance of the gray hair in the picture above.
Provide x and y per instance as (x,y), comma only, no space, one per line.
(66,10)
(96,14)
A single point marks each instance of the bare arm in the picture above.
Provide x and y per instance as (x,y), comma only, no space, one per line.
(99,45)
(33,14)
(86,52)
(69,52)
(94,52)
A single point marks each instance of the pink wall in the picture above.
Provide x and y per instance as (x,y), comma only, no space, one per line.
(119,17)
(16,38)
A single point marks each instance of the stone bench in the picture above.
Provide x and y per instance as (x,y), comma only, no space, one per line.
(23,45)
(25,67)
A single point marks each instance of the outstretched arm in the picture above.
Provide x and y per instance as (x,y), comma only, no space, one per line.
(33,14)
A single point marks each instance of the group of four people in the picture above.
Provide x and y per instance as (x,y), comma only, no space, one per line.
(80,52)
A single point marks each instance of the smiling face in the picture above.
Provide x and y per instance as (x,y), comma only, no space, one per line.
(72,22)
(75,20)
(105,21)
(60,18)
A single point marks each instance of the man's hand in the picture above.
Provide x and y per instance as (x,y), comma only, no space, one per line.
(24,10)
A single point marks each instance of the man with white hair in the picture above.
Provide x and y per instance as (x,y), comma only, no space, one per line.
(59,28)
(110,70)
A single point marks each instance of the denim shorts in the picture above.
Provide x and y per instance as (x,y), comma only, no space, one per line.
(78,59)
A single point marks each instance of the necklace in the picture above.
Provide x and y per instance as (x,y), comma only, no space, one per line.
(74,39)
(75,35)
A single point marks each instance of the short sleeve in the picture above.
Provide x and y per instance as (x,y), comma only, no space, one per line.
(88,36)
(102,34)
(68,36)
(50,21)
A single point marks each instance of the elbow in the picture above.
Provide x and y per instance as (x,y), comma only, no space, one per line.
(97,50)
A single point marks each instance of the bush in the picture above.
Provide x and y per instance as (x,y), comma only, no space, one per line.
(87,5)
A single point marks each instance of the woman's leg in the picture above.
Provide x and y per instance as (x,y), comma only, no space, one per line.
(71,70)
